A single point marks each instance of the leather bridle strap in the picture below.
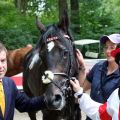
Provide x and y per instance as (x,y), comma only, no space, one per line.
(64,75)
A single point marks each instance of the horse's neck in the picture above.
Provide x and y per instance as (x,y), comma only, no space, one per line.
(53,115)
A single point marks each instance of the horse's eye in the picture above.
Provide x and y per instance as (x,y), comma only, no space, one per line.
(65,53)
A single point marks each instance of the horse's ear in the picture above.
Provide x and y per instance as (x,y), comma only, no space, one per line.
(64,21)
(40,26)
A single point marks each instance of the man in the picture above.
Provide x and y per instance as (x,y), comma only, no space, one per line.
(98,111)
(10,97)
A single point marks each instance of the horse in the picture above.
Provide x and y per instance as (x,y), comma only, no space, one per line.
(15,60)
(48,69)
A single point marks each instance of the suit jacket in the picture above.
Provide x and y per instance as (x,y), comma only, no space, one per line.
(18,100)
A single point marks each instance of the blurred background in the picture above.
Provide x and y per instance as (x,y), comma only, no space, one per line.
(89,19)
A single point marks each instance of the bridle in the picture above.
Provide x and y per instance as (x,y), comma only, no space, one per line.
(66,76)
(66,89)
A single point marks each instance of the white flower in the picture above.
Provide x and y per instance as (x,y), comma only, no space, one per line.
(48,77)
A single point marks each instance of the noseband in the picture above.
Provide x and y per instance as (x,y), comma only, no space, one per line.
(66,90)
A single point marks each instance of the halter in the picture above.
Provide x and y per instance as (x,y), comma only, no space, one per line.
(68,90)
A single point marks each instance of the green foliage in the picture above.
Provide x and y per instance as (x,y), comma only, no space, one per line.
(16,30)
(97,17)
(93,19)
(45,9)
(16,38)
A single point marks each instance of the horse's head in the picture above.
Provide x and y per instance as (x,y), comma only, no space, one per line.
(52,64)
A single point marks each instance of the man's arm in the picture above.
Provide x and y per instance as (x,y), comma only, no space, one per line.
(25,104)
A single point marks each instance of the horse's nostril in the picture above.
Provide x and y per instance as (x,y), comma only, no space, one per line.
(58,97)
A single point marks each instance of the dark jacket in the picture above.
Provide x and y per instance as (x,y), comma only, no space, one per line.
(102,85)
(18,100)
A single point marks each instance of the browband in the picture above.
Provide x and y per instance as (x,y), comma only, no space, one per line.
(55,38)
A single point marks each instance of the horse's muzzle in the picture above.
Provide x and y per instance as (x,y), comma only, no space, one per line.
(54,102)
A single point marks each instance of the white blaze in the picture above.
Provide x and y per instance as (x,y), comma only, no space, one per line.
(50,46)
(34,60)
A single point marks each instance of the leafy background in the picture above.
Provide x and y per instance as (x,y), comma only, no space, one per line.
(89,19)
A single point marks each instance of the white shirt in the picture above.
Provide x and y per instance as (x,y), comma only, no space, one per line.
(98,111)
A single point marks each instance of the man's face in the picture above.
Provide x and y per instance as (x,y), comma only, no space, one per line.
(3,64)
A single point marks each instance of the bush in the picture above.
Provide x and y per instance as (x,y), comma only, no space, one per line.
(16,30)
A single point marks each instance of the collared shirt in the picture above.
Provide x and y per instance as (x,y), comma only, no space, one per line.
(102,85)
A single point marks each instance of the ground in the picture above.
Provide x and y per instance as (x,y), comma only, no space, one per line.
(24,116)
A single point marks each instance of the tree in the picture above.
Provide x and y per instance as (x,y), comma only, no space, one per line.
(21,5)
(75,16)
(94,19)
(63,5)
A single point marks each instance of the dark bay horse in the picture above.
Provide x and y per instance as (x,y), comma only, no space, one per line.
(15,60)
(48,69)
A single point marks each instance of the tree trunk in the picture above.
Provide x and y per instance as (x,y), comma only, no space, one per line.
(75,16)
(21,5)
(62,6)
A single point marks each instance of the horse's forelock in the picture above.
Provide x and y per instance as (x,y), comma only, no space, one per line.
(51,30)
